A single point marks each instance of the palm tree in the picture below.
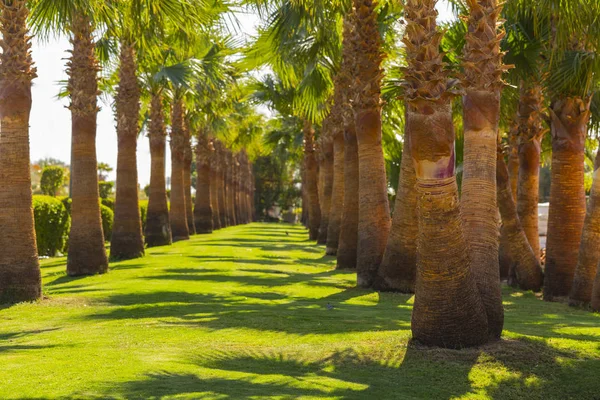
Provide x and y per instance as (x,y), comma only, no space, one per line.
(158,225)
(311,181)
(524,261)
(325,176)
(214,185)
(178,216)
(203,211)
(374,212)
(187,176)
(483,83)
(20,278)
(448,310)
(337,197)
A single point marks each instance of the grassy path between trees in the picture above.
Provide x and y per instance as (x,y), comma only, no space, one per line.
(257,311)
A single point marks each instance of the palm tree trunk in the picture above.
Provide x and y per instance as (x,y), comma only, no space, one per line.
(187,180)
(326,174)
(221,184)
(126,240)
(347,248)
(481,113)
(214,188)
(158,225)
(589,251)
(179,225)
(531,131)
(448,310)
(203,212)
(87,255)
(337,196)
(230,189)
(399,266)
(312,179)
(524,262)
(374,211)
(513,176)
(20,278)
(569,118)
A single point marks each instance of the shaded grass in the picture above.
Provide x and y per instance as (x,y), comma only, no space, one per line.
(252,312)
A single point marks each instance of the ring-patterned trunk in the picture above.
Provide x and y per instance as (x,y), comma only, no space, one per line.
(20,278)
(525,264)
(86,255)
(569,118)
(399,266)
(158,225)
(126,240)
(589,251)
(312,178)
(326,176)
(203,212)
(214,187)
(337,196)
(374,211)
(187,180)
(531,131)
(448,310)
(179,225)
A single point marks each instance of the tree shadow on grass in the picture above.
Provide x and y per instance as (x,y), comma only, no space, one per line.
(506,370)
(8,341)
(238,260)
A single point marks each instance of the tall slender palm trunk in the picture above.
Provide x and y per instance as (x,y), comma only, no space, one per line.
(214,185)
(531,131)
(513,176)
(326,177)
(86,255)
(312,178)
(374,211)
(448,310)
(589,250)
(569,118)
(337,194)
(483,69)
(203,212)
(221,185)
(158,225)
(20,278)
(127,241)
(179,225)
(524,262)
(231,189)
(399,266)
(187,179)
(348,241)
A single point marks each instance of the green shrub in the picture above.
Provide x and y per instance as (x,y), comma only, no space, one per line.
(110,203)
(105,189)
(107,221)
(143,213)
(52,223)
(53,178)
(66,201)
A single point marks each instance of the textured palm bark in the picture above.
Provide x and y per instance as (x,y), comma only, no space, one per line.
(337,196)
(326,174)
(569,118)
(399,267)
(179,225)
(589,251)
(374,211)
(20,278)
(513,176)
(158,225)
(214,186)
(86,255)
(483,68)
(312,178)
(524,262)
(448,310)
(187,179)
(230,189)
(348,241)
(221,185)
(203,212)
(531,131)
(127,241)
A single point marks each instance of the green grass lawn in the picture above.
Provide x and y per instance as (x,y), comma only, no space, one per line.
(258,312)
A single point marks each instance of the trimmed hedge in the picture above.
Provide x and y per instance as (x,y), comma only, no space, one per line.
(52,224)
(143,213)
(108,218)
(110,203)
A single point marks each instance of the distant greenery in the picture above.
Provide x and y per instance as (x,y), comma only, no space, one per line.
(108,217)
(253,312)
(53,178)
(106,189)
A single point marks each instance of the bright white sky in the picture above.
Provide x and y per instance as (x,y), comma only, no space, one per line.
(50,133)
